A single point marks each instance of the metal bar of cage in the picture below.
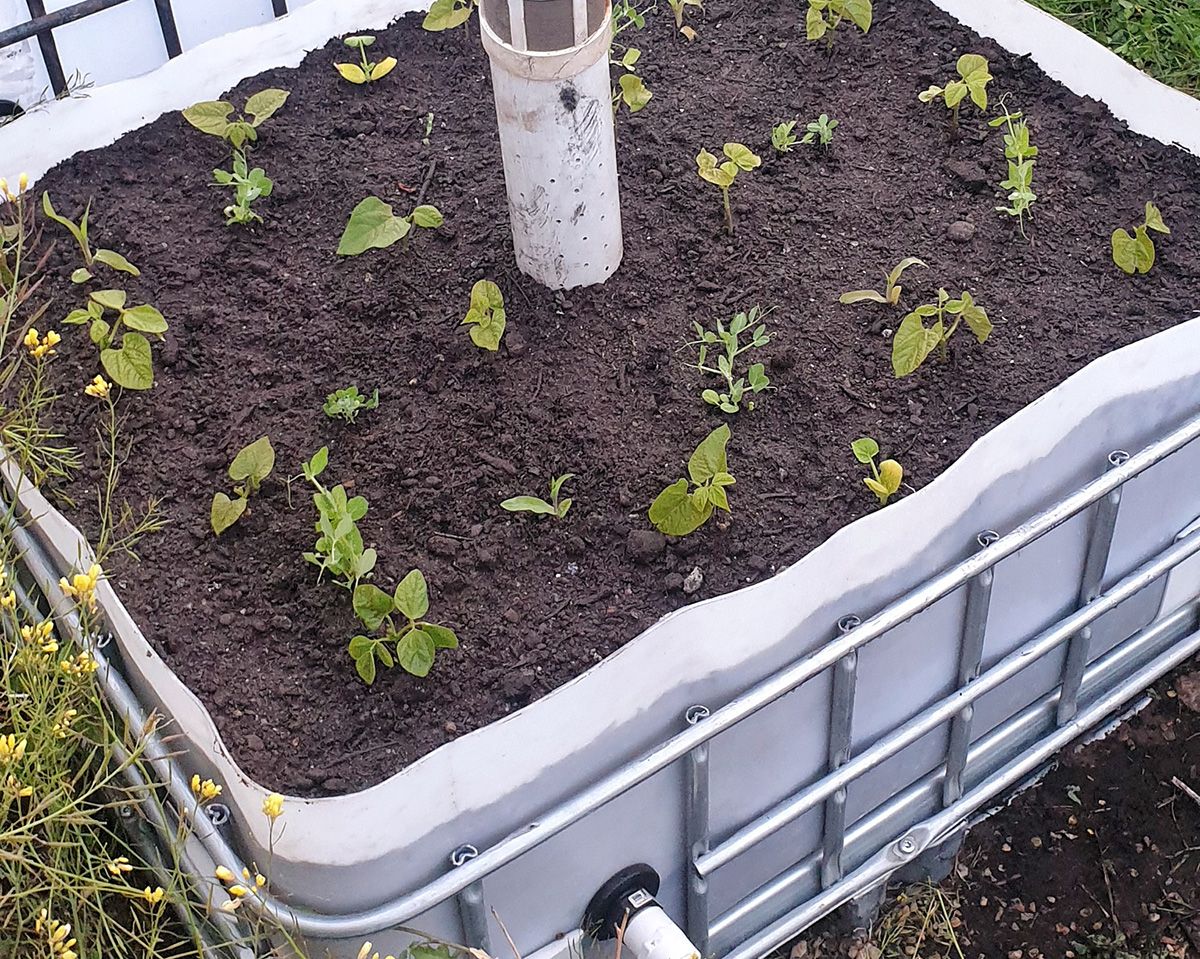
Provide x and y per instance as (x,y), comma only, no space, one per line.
(398,911)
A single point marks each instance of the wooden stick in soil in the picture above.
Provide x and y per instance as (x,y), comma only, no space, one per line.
(1185,788)
(420,199)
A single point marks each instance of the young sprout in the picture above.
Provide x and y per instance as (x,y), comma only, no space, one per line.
(891,292)
(885,479)
(725,342)
(973,80)
(447,14)
(825,16)
(535,504)
(782,137)
(684,507)
(346,404)
(249,468)
(373,225)
(630,89)
(1020,154)
(486,315)
(401,617)
(366,71)
(79,231)
(913,342)
(248,185)
(677,8)
(820,131)
(1135,254)
(740,157)
(212,116)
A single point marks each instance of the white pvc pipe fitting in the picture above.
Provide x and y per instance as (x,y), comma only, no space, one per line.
(651,934)
(554,111)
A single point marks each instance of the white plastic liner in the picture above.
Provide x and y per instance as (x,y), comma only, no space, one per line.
(355,851)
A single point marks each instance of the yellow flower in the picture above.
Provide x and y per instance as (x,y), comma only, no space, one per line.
(41,635)
(260,880)
(229,905)
(40,346)
(63,727)
(225,874)
(22,183)
(99,388)
(118,866)
(12,750)
(4,188)
(84,664)
(153,896)
(8,600)
(13,785)
(273,806)
(82,586)
(238,890)
(205,790)
(364,950)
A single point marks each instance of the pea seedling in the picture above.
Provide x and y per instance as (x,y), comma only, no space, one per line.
(820,131)
(740,157)
(110,258)
(373,225)
(249,468)
(782,137)
(347,403)
(248,186)
(684,507)
(913,341)
(212,117)
(447,14)
(825,16)
(725,341)
(886,478)
(486,315)
(365,71)
(892,290)
(1135,254)
(415,639)
(535,504)
(1020,154)
(339,546)
(973,80)
(132,364)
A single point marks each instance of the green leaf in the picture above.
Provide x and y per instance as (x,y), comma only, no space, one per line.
(757,377)
(556,484)
(446,15)
(859,296)
(911,344)
(955,93)
(1130,253)
(412,595)
(711,397)
(634,92)
(1154,219)
(372,605)
(253,462)
(674,513)
(976,318)
(77,317)
(443,636)
(709,458)
(428,217)
(415,651)
(718,497)
(132,366)
(973,68)
(81,275)
(358,41)
(486,295)
(383,68)
(927,96)
(528,504)
(372,225)
(865,449)
(364,665)
(742,155)
(264,103)
(352,72)
(859,12)
(110,299)
(209,116)
(98,332)
(815,26)
(225,512)
(631,57)
(316,466)
(144,319)
(113,259)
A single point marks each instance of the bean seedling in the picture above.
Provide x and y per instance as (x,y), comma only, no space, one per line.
(535,504)
(249,468)
(1135,254)
(415,639)
(892,290)
(678,8)
(248,186)
(486,315)
(366,71)
(447,14)
(740,157)
(1020,154)
(782,137)
(825,16)
(885,479)
(973,80)
(339,546)
(684,507)
(132,364)
(212,117)
(913,341)
(725,341)
(110,258)
(820,131)
(347,403)
(373,225)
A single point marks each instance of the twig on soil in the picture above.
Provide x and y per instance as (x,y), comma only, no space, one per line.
(1185,788)
(425,184)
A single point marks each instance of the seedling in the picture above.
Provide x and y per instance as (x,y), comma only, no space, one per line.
(820,131)
(213,117)
(678,8)
(248,185)
(365,71)
(740,157)
(339,547)
(726,343)
(249,468)
(428,128)
(914,341)
(535,504)
(631,89)
(110,258)
(1135,254)
(891,291)
(782,137)
(373,226)
(415,639)
(684,507)
(447,14)
(825,16)
(347,403)
(486,315)
(886,478)
(973,80)
(1020,154)
(132,364)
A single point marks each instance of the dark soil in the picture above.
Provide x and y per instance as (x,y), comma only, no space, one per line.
(265,322)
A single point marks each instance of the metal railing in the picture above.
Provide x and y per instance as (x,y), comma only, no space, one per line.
(1114,678)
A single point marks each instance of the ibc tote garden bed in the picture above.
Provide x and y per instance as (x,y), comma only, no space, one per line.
(266,321)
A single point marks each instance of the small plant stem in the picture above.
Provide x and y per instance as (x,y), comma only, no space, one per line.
(728,211)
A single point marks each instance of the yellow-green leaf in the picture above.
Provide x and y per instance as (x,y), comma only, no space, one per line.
(674,513)
(634,92)
(743,156)
(1154,219)
(209,116)
(710,458)
(264,103)
(132,366)
(446,15)
(225,512)
(351,71)
(911,344)
(383,68)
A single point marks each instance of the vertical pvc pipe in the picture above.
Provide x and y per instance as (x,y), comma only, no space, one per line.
(554,112)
